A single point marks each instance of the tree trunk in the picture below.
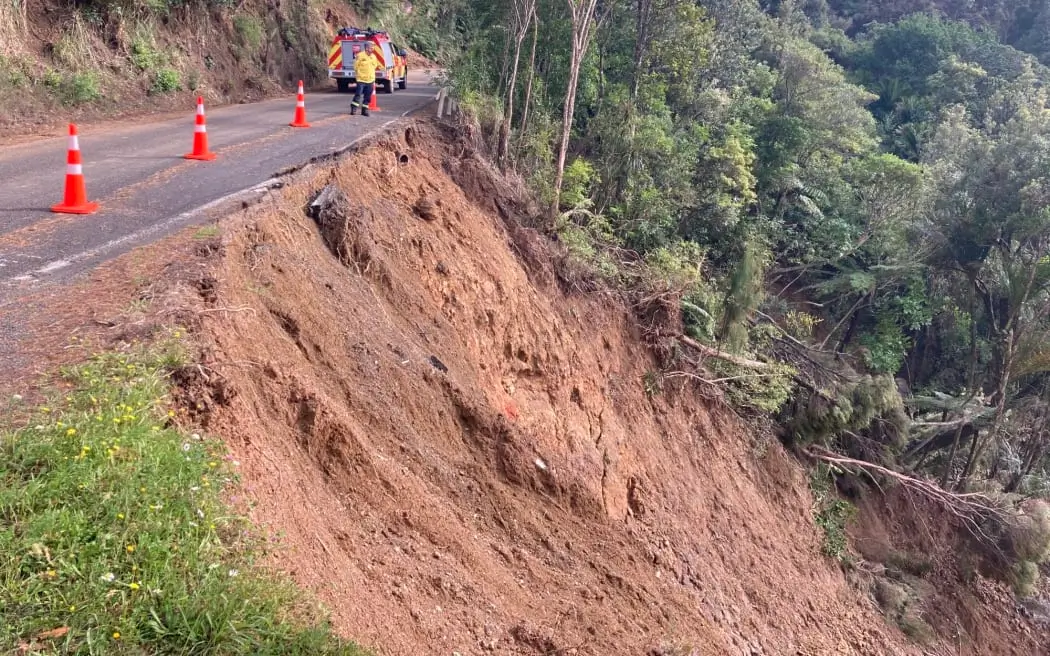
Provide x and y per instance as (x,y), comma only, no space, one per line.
(643,16)
(527,102)
(523,14)
(971,385)
(582,17)
(980,446)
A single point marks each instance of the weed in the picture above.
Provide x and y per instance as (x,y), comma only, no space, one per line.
(115,536)
(910,563)
(831,514)
(166,80)
(651,381)
(249,31)
(138,306)
(206,232)
(15,72)
(143,55)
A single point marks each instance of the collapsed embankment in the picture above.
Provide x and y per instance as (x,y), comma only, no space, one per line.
(462,456)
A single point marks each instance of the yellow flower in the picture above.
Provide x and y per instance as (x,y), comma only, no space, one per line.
(51,573)
(130,548)
(71,432)
(213,464)
(116,635)
(120,515)
(116,420)
(171,413)
(142,489)
(134,586)
(45,409)
(72,609)
(177,334)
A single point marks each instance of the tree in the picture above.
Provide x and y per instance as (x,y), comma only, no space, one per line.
(524,15)
(582,14)
(991,220)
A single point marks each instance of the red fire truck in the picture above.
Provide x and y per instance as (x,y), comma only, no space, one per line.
(349,41)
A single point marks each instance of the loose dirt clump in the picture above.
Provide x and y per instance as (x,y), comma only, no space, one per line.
(463,458)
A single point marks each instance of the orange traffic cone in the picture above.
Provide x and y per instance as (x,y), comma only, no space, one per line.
(200,136)
(75,201)
(300,110)
(373,105)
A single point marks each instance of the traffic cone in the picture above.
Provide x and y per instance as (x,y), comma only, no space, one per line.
(373,105)
(300,110)
(75,200)
(200,136)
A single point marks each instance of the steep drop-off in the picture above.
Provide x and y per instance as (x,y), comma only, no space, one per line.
(461,452)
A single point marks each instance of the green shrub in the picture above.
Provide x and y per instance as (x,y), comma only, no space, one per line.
(579,179)
(166,80)
(831,514)
(143,55)
(817,417)
(75,89)
(1028,546)
(84,88)
(1024,578)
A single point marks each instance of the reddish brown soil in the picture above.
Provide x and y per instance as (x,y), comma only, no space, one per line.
(462,456)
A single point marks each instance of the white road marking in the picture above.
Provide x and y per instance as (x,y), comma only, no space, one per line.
(60,264)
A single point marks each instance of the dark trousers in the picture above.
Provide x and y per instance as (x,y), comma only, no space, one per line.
(363,95)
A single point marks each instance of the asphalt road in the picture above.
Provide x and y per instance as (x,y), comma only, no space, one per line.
(145,187)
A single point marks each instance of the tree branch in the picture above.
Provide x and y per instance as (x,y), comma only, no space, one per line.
(970,509)
(721,355)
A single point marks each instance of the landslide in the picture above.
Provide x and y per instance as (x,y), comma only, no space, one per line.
(459,450)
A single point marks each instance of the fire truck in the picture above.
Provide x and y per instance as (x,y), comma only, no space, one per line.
(349,41)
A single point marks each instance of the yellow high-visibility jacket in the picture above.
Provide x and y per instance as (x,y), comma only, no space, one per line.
(365,66)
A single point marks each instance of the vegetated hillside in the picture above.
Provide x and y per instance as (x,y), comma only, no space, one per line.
(107,58)
(470,446)
(857,214)
(1020,23)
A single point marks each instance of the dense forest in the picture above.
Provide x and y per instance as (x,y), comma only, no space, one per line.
(850,196)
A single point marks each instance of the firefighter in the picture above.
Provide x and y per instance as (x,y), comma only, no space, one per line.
(365,65)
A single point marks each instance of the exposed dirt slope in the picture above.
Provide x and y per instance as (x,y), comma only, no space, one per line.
(463,458)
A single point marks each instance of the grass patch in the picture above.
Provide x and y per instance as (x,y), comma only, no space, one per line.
(115,536)
(206,232)
(249,29)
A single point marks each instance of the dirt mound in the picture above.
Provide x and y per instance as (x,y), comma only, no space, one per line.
(464,459)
